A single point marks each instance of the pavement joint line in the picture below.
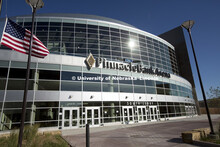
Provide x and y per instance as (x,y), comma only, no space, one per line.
(79,131)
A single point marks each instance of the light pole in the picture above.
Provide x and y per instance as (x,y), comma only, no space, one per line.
(35,4)
(188,25)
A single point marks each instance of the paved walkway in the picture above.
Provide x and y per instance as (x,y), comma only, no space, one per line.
(165,133)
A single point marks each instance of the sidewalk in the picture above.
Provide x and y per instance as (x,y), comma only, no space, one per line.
(162,133)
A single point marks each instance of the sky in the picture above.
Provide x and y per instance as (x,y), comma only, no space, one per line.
(153,16)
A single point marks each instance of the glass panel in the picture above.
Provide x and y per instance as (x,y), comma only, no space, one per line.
(47,74)
(155,113)
(2,84)
(91,86)
(96,121)
(19,85)
(126,88)
(48,85)
(125,114)
(72,76)
(151,90)
(74,122)
(89,113)
(144,111)
(150,83)
(74,114)
(66,114)
(131,114)
(140,114)
(66,123)
(96,113)
(151,112)
(71,86)
(89,121)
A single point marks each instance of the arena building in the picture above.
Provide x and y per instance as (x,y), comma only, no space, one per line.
(99,71)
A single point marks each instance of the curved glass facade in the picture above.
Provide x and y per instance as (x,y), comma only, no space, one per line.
(78,37)
(64,93)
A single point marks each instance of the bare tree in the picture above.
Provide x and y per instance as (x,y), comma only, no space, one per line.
(213,92)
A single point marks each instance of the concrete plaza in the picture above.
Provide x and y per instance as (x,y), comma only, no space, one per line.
(155,134)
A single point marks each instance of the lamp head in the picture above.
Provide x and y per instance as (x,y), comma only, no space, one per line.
(37,4)
(188,24)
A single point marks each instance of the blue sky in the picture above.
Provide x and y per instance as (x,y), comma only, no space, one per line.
(156,17)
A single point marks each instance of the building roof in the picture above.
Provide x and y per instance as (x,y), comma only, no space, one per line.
(85,16)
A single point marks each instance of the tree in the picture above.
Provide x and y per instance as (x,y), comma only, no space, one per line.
(214,92)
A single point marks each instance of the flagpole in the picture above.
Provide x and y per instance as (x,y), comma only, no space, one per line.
(27,81)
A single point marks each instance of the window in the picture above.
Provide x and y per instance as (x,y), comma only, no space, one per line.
(48,74)
(20,73)
(160,91)
(48,85)
(3,72)
(126,88)
(71,86)
(159,84)
(19,85)
(139,89)
(150,83)
(150,90)
(72,76)
(89,77)
(110,87)
(138,82)
(91,86)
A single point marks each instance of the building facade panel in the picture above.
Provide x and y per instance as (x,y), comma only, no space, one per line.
(98,72)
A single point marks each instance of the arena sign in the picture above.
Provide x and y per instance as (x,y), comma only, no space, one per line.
(103,63)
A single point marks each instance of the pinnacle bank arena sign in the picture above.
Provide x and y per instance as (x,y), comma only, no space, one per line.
(103,63)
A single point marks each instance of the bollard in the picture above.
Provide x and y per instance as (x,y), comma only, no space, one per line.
(87,135)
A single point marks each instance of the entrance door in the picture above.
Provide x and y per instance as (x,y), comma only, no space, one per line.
(189,111)
(128,114)
(141,112)
(153,113)
(70,118)
(92,116)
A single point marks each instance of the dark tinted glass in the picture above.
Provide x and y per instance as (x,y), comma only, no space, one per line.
(71,86)
(3,72)
(110,87)
(125,80)
(126,88)
(139,89)
(91,86)
(89,77)
(159,84)
(149,83)
(47,74)
(72,76)
(109,78)
(20,73)
(138,82)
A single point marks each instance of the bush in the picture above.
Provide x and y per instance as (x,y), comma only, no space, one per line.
(11,141)
(30,133)
(32,139)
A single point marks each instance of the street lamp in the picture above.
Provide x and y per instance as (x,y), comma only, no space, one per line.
(35,4)
(188,25)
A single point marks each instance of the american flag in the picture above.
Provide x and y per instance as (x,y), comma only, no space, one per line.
(18,38)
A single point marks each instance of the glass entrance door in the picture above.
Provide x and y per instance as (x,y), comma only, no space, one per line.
(128,114)
(189,111)
(153,113)
(141,112)
(92,116)
(70,118)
